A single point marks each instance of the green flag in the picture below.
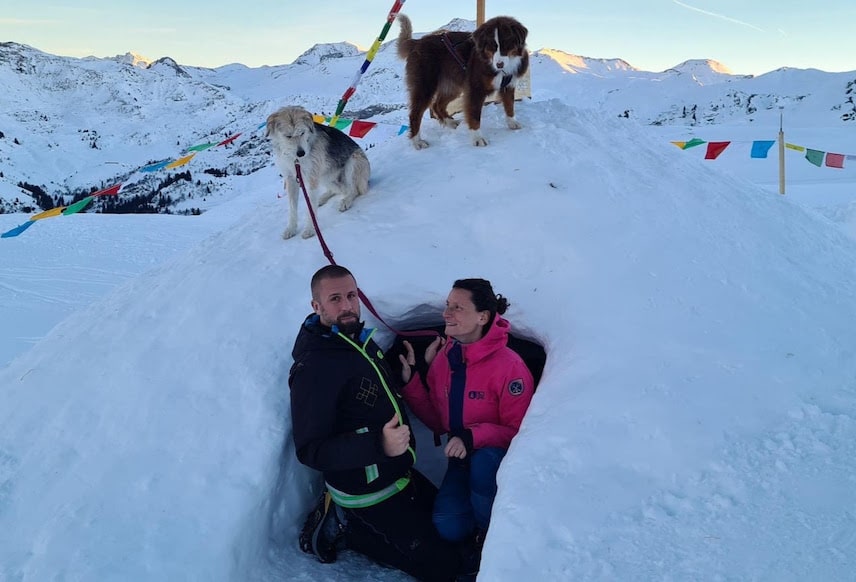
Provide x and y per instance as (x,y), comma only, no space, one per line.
(814,156)
(78,206)
(201,147)
(693,143)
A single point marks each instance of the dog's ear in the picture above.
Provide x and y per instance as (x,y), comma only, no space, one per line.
(309,120)
(522,33)
(480,37)
(270,126)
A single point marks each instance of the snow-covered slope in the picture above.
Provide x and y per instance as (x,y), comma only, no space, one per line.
(695,420)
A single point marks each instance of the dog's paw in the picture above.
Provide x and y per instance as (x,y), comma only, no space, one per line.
(345,203)
(451,123)
(513,123)
(324,198)
(478,139)
(289,233)
(308,233)
(419,143)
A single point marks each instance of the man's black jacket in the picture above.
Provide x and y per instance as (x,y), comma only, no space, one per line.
(342,394)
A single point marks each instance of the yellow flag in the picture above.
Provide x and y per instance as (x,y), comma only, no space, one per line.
(48,213)
(179,162)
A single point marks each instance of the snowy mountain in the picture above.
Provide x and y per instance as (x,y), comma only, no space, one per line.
(577,64)
(706,71)
(113,116)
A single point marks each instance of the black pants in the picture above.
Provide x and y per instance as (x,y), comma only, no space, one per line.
(399,533)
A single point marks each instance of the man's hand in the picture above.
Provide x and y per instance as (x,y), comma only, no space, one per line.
(456,448)
(396,438)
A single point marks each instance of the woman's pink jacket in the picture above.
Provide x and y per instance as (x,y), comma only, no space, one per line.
(497,392)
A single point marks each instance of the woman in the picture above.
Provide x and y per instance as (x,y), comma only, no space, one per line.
(476,391)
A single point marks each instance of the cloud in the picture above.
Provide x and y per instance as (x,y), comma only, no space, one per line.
(720,16)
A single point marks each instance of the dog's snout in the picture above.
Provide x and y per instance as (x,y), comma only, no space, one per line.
(500,65)
(301,152)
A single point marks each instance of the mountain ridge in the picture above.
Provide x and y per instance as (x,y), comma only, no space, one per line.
(68,124)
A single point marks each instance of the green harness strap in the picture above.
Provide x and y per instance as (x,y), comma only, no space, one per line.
(362,350)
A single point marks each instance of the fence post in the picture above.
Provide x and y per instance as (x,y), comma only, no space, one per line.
(781,157)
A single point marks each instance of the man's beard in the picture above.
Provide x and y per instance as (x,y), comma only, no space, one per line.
(349,323)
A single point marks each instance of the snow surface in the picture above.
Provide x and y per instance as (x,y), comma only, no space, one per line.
(696,419)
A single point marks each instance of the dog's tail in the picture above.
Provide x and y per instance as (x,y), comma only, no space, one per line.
(405,36)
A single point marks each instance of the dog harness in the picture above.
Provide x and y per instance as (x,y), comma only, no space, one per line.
(451,48)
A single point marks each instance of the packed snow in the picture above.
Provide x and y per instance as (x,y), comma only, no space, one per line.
(696,419)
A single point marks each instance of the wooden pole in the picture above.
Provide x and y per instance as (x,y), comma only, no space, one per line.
(479,12)
(781,157)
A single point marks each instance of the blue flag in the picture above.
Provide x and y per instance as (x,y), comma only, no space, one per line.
(18,229)
(760,148)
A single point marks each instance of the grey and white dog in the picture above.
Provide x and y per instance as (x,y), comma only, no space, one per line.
(330,162)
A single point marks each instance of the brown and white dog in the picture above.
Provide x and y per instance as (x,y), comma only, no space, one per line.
(442,65)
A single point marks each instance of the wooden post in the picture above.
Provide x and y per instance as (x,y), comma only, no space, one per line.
(781,157)
(479,12)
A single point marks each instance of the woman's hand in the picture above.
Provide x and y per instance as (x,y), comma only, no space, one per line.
(433,348)
(456,448)
(408,362)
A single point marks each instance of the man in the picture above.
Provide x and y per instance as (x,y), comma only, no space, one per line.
(349,423)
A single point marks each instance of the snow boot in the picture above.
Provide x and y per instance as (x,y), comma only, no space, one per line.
(324,529)
(471,556)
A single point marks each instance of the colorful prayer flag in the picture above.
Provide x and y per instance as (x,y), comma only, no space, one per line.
(835,160)
(48,213)
(111,191)
(360,128)
(201,147)
(229,139)
(341,124)
(78,206)
(714,148)
(761,148)
(179,162)
(814,156)
(154,167)
(17,230)
(693,143)
(372,52)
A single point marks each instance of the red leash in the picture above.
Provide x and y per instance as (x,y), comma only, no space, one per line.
(329,255)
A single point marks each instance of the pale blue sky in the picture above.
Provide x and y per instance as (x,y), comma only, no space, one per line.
(748,36)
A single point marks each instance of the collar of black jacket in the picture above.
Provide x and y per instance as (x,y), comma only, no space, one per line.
(313,324)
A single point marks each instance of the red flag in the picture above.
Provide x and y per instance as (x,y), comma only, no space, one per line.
(835,160)
(229,139)
(360,128)
(111,191)
(714,148)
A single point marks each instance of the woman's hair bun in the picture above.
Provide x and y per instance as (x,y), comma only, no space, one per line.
(501,304)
